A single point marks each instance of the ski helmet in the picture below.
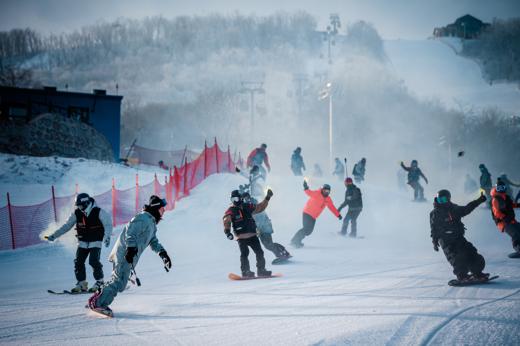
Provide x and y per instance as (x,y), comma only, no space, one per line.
(263,146)
(325,187)
(236,197)
(443,196)
(501,186)
(363,160)
(82,201)
(156,202)
(414,163)
(349,181)
(482,166)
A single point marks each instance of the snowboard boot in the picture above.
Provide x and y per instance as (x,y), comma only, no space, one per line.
(94,306)
(81,286)
(264,273)
(480,276)
(463,277)
(97,286)
(248,274)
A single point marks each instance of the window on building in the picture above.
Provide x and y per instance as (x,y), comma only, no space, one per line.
(79,113)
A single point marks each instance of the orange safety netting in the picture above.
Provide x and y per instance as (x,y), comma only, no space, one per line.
(21,226)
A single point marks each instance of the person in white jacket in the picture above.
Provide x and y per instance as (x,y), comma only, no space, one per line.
(93,227)
(136,236)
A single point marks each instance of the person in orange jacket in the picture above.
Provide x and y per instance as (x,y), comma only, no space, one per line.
(318,200)
(257,157)
(504,215)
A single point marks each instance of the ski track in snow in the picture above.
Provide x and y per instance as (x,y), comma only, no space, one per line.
(387,289)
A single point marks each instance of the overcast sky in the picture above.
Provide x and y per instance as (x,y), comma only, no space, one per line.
(407,19)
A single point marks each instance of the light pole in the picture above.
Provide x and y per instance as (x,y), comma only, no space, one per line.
(252,88)
(327,93)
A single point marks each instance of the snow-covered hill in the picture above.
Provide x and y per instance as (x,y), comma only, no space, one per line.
(432,70)
(388,288)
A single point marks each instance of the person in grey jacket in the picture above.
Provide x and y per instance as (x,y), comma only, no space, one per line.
(136,236)
(93,227)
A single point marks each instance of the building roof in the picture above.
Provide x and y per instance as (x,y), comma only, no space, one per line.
(98,93)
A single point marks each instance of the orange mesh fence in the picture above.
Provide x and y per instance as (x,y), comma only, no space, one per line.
(21,226)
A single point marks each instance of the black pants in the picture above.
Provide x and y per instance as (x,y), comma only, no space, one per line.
(278,249)
(79,263)
(254,244)
(351,217)
(463,256)
(308,227)
(418,191)
(513,230)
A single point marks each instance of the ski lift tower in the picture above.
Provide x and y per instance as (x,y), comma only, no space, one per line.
(252,88)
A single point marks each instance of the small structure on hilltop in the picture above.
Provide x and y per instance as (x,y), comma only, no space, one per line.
(466,27)
(96,114)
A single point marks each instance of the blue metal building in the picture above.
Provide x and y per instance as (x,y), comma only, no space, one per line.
(99,110)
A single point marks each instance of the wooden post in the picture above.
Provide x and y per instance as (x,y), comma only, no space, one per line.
(114,202)
(54,204)
(11,224)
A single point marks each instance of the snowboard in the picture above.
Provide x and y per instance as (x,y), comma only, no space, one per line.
(514,255)
(281,260)
(233,276)
(68,292)
(456,282)
(105,313)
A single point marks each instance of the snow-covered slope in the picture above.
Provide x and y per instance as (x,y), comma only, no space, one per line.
(388,288)
(432,70)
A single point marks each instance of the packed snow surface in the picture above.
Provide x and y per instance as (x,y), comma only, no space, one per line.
(433,70)
(389,287)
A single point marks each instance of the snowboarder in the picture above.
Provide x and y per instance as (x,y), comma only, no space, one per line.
(93,229)
(240,216)
(359,170)
(318,173)
(447,231)
(258,157)
(265,231)
(136,236)
(485,180)
(297,164)
(339,169)
(318,200)
(504,215)
(470,185)
(354,201)
(414,174)
(509,190)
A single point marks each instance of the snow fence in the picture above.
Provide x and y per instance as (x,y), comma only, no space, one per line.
(21,226)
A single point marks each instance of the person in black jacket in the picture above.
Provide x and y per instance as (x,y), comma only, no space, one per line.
(240,216)
(359,170)
(447,231)
(354,201)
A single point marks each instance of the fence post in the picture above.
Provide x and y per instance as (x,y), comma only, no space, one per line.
(137,193)
(114,202)
(186,190)
(216,154)
(11,224)
(205,159)
(54,204)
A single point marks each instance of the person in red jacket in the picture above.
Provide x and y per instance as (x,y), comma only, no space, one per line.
(318,200)
(504,215)
(257,157)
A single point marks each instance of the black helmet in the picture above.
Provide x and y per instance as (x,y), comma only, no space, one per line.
(325,187)
(156,202)
(83,200)
(481,166)
(363,160)
(414,162)
(236,197)
(264,146)
(298,149)
(501,186)
(443,196)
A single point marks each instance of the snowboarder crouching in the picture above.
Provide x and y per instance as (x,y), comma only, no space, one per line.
(93,227)
(447,231)
(240,216)
(136,236)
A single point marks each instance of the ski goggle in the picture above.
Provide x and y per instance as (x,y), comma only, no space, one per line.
(235,199)
(501,188)
(160,204)
(442,200)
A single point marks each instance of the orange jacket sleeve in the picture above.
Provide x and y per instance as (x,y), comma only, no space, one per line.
(331,206)
(496,209)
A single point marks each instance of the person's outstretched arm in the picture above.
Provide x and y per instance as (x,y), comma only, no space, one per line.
(67,226)
(462,211)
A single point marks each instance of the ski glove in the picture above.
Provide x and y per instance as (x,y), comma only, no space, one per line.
(166,260)
(436,245)
(269,194)
(49,237)
(482,198)
(305,185)
(130,254)
(340,217)
(107,242)
(228,234)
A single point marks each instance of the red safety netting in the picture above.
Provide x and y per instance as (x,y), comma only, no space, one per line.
(24,224)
